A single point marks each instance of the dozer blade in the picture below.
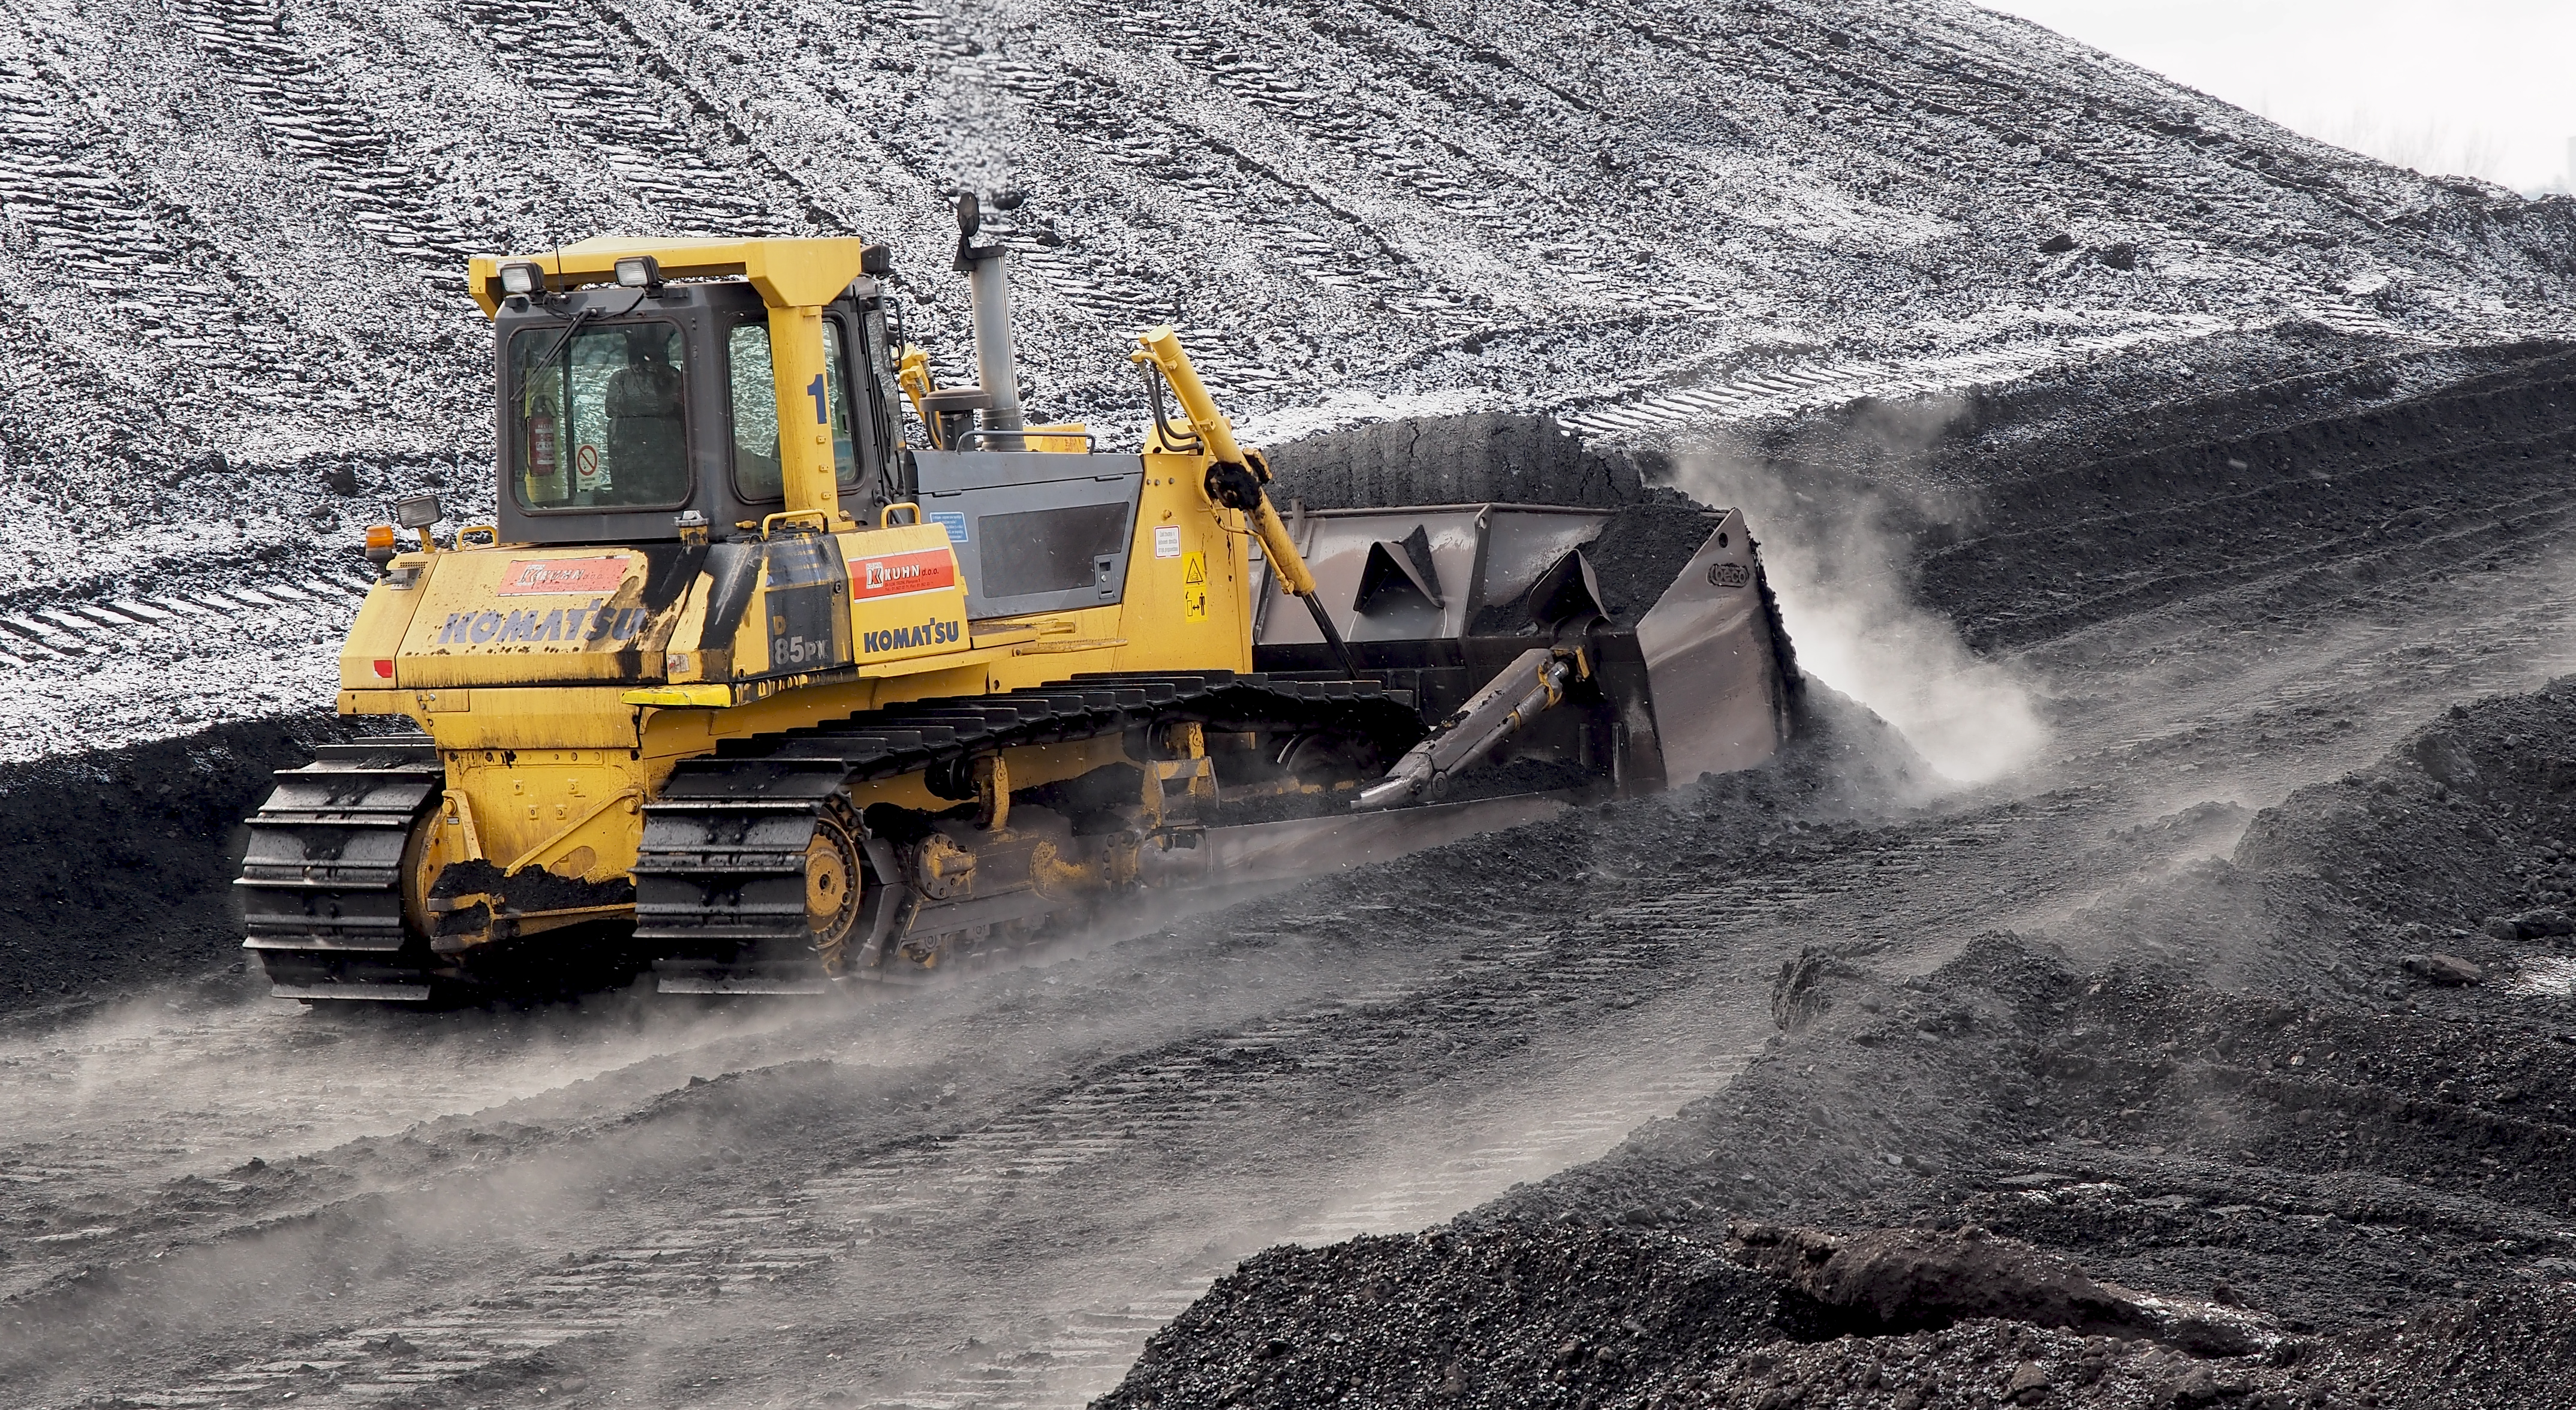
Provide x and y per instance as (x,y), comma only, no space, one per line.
(1718,666)
(683,977)
(389,993)
(1635,649)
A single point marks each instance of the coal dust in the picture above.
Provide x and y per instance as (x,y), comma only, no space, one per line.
(1841,571)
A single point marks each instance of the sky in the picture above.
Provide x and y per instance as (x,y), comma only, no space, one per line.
(2483,88)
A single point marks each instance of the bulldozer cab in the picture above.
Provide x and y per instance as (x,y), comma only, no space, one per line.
(625,413)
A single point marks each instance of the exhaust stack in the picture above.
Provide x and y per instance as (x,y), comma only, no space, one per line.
(988,289)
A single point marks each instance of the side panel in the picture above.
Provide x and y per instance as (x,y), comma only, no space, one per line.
(543,717)
(907,594)
(1034,531)
(1713,673)
(1187,605)
(804,621)
(369,655)
(797,604)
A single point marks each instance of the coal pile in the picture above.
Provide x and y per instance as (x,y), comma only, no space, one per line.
(1394,208)
(2229,1138)
(121,860)
(2301,474)
(1491,1315)
(1497,457)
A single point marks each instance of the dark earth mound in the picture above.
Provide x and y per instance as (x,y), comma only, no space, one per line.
(1466,1316)
(2318,1174)
(1500,457)
(2031,512)
(121,861)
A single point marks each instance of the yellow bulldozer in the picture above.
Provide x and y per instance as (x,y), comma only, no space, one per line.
(781,667)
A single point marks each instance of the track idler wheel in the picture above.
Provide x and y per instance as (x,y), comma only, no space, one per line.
(835,882)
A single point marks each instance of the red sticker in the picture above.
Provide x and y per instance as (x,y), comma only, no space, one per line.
(894,574)
(529,577)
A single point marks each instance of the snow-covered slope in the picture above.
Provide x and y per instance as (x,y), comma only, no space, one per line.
(231,310)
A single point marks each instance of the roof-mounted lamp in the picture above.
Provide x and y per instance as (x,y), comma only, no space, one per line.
(522,278)
(640,272)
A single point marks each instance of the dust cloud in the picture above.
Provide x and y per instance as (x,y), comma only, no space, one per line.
(1838,564)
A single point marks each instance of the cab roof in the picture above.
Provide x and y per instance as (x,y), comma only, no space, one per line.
(788,273)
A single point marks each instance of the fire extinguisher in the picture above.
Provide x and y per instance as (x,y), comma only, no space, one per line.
(545,476)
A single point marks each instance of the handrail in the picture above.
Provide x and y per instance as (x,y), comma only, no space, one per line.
(1089,440)
(822,522)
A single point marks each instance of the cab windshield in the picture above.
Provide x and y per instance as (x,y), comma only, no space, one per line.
(599,418)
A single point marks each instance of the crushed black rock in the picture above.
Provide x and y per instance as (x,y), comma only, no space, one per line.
(122,860)
(1501,1314)
(2027,1178)
(1497,457)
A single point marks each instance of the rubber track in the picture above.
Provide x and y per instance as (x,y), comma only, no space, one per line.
(322,878)
(723,857)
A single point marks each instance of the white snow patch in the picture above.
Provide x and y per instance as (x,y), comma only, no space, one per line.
(2550,976)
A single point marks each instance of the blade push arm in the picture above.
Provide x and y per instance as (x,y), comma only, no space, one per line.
(1236,476)
(1527,688)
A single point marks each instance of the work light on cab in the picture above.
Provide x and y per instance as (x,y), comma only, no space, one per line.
(639,272)
(522,279)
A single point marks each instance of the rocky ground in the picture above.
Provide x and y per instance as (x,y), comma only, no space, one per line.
(2287,1126)
(2289,1114)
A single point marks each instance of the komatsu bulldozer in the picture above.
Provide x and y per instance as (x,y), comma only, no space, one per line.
(781,667)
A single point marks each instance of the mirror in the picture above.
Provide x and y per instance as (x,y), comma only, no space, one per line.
(418,511)
(970,216)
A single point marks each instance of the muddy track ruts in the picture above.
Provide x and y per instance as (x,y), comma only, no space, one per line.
(1332,1060)
(155,302)
(307,118)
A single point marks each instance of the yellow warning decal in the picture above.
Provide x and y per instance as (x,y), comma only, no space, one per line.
(1194,587)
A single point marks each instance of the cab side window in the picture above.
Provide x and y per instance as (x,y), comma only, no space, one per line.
(836,395)
(755,412)
(756,474)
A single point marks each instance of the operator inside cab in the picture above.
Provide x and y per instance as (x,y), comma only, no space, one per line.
(648,448)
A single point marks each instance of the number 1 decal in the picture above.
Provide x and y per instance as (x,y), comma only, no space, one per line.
(816,392)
